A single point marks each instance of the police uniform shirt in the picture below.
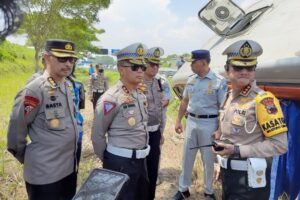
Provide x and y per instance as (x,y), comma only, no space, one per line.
(46,114)
(98,83)
(239,125)
(123,117)
(154,99)
(205,94)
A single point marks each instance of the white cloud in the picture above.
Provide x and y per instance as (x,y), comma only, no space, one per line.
(150,22)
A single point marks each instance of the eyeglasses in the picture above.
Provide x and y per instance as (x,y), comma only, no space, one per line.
(136,67)
(153,64)
(240,68)
(65,59)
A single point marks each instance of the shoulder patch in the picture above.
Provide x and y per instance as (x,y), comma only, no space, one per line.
(29,104)
(108,106)
(269,114)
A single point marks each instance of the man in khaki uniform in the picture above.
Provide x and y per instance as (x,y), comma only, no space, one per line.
(44,110)
(154,94)
(251,125)
(97,85)
(119,133)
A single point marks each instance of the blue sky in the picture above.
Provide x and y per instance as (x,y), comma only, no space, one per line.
(170,24)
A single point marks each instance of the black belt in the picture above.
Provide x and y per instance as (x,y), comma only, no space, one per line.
(203,116)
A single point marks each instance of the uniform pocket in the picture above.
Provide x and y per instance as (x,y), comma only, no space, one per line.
(55,119)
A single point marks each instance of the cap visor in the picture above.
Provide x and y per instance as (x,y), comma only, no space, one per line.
(137,61)
(243,63)
(63,54)
(154,61)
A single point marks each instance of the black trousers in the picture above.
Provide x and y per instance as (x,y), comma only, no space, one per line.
(235,186)
(137,186)
(63,189)
(78,153)
(153,161)
(96,96)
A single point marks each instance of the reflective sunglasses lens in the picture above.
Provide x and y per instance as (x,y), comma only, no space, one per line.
(65,59)
(136,67)
(143,68)
(238,68)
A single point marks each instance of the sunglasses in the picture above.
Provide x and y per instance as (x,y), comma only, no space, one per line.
(153,64)
(65,59)
(136,67)
(240,68)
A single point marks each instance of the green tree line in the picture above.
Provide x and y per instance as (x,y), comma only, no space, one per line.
(65,19)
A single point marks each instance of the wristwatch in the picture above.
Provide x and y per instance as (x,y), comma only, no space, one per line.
(236,151)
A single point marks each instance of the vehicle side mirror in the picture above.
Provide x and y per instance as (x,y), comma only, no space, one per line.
(220,15)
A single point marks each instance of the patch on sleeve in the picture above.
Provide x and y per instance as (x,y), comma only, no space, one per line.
(108,106)
(29,104)
(269,115)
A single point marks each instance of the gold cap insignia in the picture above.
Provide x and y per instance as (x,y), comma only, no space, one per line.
(245,50)
(156,53)
(140,50)
(68,46)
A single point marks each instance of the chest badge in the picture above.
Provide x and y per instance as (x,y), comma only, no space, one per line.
(237,120)
(209,88)
(54,123)
(131,121)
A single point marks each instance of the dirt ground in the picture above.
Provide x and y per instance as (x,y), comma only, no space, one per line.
(170,165)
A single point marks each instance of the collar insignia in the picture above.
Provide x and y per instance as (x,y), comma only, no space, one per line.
(53,84)
(246,90)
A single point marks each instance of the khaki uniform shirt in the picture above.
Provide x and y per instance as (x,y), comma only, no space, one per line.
(239,126)
(154,96)
(45,114)
(97,83)
(121,117)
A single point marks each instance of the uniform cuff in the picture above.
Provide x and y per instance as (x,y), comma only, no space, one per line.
(245,151)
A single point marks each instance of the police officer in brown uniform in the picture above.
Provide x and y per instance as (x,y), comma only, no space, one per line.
(44,111)
(251,125)
(153,92)
(97,85)
(119,133)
